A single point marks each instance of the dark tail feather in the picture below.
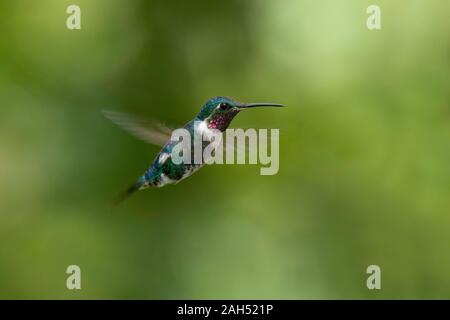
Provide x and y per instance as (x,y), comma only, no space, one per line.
(124,195)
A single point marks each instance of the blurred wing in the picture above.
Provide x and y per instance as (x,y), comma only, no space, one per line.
(151,132)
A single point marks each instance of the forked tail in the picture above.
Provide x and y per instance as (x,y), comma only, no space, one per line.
(125,194)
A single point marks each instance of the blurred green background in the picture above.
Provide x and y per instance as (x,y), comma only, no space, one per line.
(364,149)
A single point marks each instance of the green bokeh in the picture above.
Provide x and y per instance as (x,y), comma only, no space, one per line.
(364,149)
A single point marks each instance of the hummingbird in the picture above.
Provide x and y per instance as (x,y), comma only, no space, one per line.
(217,113)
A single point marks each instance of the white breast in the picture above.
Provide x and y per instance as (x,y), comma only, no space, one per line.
(202,129)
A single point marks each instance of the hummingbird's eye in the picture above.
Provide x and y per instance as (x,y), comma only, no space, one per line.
(224,106)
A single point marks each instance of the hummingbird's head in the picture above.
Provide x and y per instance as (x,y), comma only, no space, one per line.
(219,111)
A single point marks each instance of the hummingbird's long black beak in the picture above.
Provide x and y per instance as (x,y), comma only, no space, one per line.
(259,104)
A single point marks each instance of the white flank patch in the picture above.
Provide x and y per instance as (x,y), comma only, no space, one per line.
(190,172)
(202,128)
(165,180)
